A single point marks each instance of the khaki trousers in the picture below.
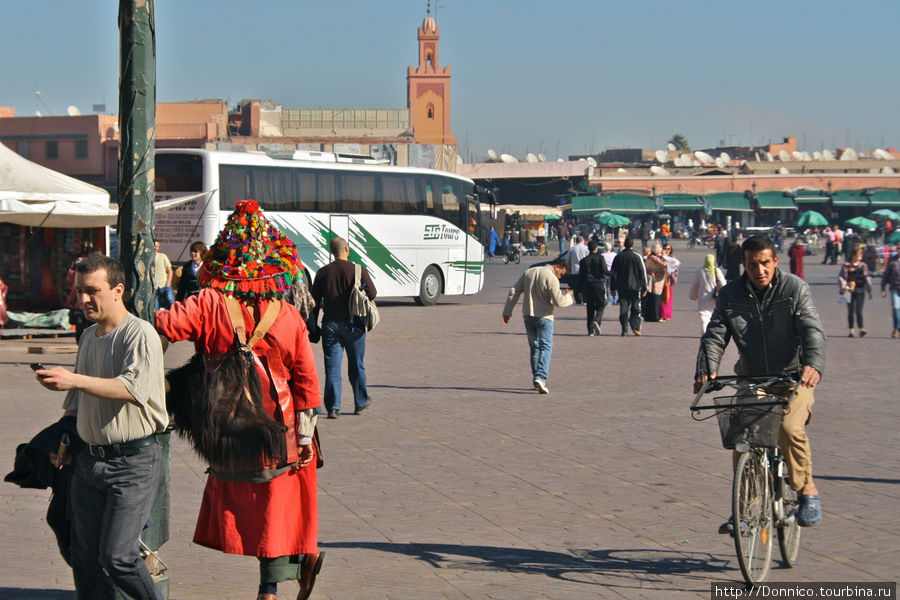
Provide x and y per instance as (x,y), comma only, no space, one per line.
(793,441)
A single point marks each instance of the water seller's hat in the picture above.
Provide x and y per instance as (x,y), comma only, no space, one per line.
(251,258)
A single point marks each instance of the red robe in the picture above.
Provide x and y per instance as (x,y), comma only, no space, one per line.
(796,253)
(280,517)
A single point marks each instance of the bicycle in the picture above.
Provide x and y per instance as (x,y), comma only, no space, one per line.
(761,497)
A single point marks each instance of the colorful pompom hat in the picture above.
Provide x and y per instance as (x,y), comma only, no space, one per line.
(251,258)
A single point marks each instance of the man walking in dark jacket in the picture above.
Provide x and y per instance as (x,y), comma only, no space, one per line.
(593,273)
(630,281)
(331,291)
(772,320)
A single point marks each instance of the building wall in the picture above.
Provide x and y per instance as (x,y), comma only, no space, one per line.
(740,183)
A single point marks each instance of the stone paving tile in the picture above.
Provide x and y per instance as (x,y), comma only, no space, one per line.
(462,482)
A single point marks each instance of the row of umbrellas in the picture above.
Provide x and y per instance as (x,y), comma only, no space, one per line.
(812,218)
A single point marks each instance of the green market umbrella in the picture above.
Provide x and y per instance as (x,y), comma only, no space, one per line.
(894,238)
(862,223)
(885,213)
(613,220)
(811,219)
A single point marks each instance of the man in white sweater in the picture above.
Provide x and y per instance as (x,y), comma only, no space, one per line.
(540,287)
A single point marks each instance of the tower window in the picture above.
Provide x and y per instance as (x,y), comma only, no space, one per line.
(430,111)
(52,149)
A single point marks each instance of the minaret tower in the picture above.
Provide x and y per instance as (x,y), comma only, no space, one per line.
(428,90)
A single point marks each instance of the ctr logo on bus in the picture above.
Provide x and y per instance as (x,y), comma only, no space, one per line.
(441,232)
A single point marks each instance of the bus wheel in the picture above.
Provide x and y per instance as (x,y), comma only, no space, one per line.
(429,287)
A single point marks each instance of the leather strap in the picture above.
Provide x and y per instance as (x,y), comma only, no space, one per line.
(237,320)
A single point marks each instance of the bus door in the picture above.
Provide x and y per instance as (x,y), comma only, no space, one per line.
(474,271)
(339,226)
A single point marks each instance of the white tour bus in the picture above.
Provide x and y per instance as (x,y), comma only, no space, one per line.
(417,231)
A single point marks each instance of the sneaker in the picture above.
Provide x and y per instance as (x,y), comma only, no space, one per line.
(637,332)
(624,334)
(540,386)
(862,333)
(896,334)
(333,414)
(850,334)
(595,328)
(810,511)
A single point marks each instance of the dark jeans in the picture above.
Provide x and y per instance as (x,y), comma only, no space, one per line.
(630,309)
(855,307)
(595,300)
(165,298)
(337,337)
(111,502)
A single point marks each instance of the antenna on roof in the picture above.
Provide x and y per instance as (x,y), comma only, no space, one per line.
(541,157)
(827,154)
(73,111)
(37,94)
(531,158)
(662,156)
(492,155)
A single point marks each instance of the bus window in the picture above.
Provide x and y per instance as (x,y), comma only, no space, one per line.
(451,203)
(398,196)
(272,188)
(358,193)
(326,192)
(234,186)
(305,188)
(179,173)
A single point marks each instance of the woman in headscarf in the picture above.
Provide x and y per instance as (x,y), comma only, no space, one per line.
(708,280)
(272,513)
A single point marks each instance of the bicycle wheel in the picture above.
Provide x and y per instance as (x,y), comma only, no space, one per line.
(517,258)
(751,510)
(788,526)
(692,242)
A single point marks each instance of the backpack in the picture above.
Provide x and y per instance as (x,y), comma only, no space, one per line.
(363,312)
(216,402)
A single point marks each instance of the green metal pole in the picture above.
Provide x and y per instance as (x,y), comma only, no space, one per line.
(137,127)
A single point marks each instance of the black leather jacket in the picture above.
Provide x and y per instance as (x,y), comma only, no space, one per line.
(781,332)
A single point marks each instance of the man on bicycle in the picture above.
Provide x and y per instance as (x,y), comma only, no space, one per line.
(776,328)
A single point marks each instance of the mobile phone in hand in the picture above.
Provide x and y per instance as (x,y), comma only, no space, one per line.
(37,367)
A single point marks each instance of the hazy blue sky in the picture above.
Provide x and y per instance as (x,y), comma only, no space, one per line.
(566,77)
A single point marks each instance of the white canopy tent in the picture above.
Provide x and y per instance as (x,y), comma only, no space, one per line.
(35,196)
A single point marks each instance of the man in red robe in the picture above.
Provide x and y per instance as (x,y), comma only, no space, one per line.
(276,520)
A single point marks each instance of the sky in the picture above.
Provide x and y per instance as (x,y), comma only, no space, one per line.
(556,77)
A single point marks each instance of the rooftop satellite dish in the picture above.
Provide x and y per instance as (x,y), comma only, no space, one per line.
(541,157)
(724,156)
(783,171)
(662,156)
(73,111)
(849,154)
(769,157)
(492,156)
(559,160)
(816,155)
(805,157)
(795,155)
(695,162)
(756,155)
(671,147)
(677,161)
(887,155)
(887,170)
(37,113)
(880,154)
(591,161)
(531,158)
(783,156)
(827,155)
(508,158)
(621,170)
(658,171)
(720,162)
(459,159)
(703,157)
(686,160)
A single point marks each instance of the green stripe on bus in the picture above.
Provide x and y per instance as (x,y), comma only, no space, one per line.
(386,260)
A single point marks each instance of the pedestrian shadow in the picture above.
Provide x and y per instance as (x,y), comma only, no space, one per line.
(529,391)
(624,568)
(8,593)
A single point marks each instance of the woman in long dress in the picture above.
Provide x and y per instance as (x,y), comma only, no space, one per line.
(708,280)
(668,297)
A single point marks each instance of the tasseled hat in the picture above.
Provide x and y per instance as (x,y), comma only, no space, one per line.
(250,258)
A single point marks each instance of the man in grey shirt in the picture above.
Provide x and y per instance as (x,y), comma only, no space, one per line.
(117,393)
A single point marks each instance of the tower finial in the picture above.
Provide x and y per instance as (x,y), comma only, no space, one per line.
(428,8)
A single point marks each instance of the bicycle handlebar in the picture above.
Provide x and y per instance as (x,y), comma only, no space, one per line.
(742,383)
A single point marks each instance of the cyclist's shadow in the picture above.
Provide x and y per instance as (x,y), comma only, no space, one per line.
(581,566)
